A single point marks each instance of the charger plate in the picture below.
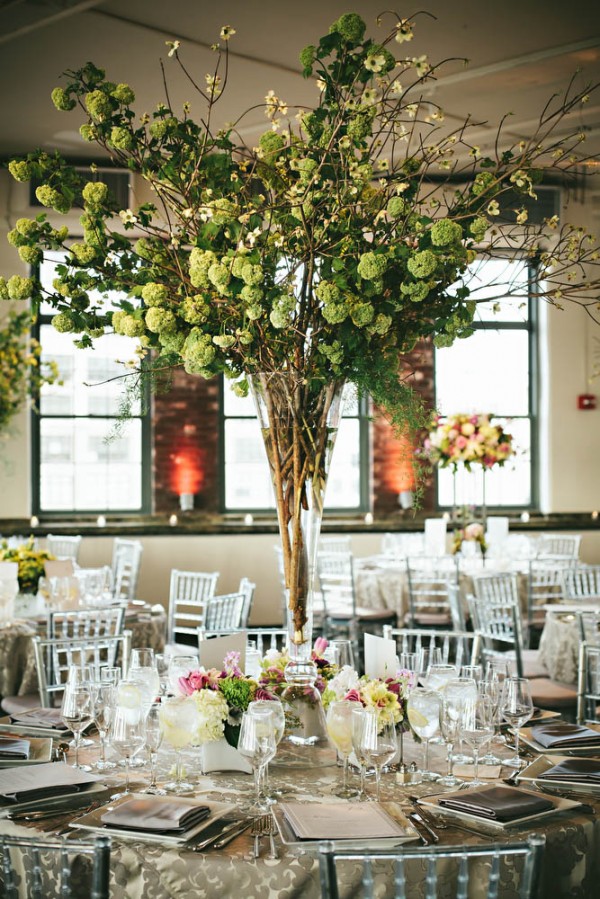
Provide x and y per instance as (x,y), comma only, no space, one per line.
(431,803)
(533,772)
(40,750)
(581,749)
(32,730)
(93,821)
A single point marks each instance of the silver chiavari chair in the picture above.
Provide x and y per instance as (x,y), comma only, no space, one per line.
(40,868)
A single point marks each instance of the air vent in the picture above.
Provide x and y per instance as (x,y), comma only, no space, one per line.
(117,182)
(546,205)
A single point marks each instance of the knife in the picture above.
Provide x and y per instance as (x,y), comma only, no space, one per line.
(233,833)
(415,817)
(204,844)
(418,825)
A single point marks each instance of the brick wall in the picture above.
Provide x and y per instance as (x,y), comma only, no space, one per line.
(186,443)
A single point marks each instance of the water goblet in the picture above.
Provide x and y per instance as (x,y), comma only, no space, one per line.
(127,727)
(458,691)
(279,723)
(257,744)
(75,711)
(153,738)
(423,710)
(143,670)
(477,728)
(179,721)
(379,742)
(437,676)
(462,688)
(516,708)
(339,729)
(475,672)
(180,666)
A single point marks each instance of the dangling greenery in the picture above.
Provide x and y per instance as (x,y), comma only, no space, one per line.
(328,249)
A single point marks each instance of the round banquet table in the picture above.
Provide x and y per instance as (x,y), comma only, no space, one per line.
(17,662)
(571,865)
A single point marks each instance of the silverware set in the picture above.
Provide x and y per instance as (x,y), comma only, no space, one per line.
(264,826)
(223,837)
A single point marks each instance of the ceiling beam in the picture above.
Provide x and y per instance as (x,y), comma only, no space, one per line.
(24,16)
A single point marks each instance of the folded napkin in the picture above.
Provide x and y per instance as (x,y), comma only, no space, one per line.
(156,814)
(574,770)
(51,718)
(340,821)
(42,781)
(14,749)
(562,734)
(497,803)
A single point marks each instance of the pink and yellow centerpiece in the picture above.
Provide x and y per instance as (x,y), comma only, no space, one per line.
(468,439)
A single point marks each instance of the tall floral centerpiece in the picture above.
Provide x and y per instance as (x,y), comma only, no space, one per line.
(318,254)
(474,442)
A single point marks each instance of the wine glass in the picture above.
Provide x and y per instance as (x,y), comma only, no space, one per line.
(438,676)
(180,666)
(427,658)
(339,728)
(358,726)
(477,728)
(379,742)
(153,740)
(279,722)
(110,675)
(257,743)
(516,708)
(342,653)
(102,701)
(75,711)
(423,710)
(475,672)
(457,693)
(179,722)
(127,727)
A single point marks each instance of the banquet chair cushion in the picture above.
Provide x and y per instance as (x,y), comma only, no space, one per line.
(362,614)
(533,668)
(549,694)
(430,619)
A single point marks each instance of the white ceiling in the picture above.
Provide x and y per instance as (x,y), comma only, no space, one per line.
(520,52)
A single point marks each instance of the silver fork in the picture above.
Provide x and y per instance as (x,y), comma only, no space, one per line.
(263,827)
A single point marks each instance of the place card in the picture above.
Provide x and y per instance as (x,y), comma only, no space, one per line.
(381,658)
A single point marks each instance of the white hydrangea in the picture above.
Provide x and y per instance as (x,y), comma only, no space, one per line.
(342,683)
(213,711)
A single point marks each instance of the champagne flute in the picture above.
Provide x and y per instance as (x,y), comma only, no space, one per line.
(153,737)
(81,675)
(423,710)
(127,727)
(279,722)
(358,726)
(179,722)
(379,741)
(477,727)
(102,700)
(257,744)
(490,687)
(339,729)
(142,669)
(75,711)
(516,708)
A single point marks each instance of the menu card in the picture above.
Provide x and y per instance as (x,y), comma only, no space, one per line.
(14,749)
(156,813)
(39,781)
(340,821)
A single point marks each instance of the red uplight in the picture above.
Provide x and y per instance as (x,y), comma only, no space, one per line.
(187,473)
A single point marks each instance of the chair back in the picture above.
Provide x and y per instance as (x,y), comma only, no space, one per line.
(265,638)
(457,871)
(589,626)
(189,592)
(588,684)
(457,647)
(63,547)
(54,657)
(433,594)
(339,544)
(558,546)
(126,561)
(498,623)
(41,867)
(86,623)
(544,585)
(399,546)
(247,589)
(224,613)
(581,582)
(336,580)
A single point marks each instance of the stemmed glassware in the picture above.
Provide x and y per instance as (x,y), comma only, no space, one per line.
(462,688)
(275,706)
(143,670)
(180,666)
(424,710)
(81,676)
(379,742)
(491,688)
(339,729)
(179,721)
(358,726)
(477,727)
(75,711)
(516,708)
(257,743)
(342,653)
(127,727)
(102,703)
(153,739)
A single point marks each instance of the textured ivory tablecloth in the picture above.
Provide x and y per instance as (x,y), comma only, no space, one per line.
(559,648)
(142,870)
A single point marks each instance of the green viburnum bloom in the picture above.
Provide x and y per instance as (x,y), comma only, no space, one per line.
(95,195)
(26,227)
(64,322)
(194,310)
(252,275)
(159,320)
(335,313)
(200,263)
(198,351)
(52,198)
(372,266)
(422,264)
(3,289)
(351,27)
(128,325)
(62,99)
(88,132)
(98,105)
(121,138)
(482,183)
(123,94)
(19,288)
(154,294)
(251,293)
(83,253)
(308,56)
(478,228)
(397,206)
(224,341)
(416,290)
(20,170)
(445,232)
(31,255)
(15,238)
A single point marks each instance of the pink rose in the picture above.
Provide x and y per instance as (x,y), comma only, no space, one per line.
(461,441)
(353,695)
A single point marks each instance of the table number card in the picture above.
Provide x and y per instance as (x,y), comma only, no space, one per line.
(381,659)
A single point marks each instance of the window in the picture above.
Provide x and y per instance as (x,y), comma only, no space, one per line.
(493,371)
(82,463)
(246,482)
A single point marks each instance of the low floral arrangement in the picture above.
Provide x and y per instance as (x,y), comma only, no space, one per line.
(470,439)
(31,563)
(389,695)
(274,662)
(221,698)
(473,532)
